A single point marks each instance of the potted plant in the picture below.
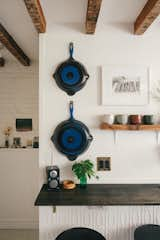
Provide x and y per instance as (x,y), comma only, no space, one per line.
(82,170)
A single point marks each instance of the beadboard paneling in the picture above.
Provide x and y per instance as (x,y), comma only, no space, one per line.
(113,222)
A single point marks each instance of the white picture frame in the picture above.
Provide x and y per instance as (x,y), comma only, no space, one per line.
(125,85)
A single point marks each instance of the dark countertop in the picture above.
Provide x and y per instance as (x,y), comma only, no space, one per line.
(101,195)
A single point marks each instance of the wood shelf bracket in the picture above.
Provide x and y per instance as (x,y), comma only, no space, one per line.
(54,209)
(115,136)
(157,137)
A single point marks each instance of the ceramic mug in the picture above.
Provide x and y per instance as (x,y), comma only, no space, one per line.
(135,119)
(148,119)
(122,119)
(108,118)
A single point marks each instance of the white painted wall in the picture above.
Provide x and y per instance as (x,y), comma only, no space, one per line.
(135,156)
(18,188)
(18,167)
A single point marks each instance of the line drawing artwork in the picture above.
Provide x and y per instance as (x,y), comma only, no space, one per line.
(123,84)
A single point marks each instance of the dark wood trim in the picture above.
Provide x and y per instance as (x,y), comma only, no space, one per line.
(148,14)
(36,13)
(7,40)
(101,194)
(93,10)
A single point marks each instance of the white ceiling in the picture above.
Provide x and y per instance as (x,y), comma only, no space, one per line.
(121,10)
(68,11)
(15,18)
(64,11)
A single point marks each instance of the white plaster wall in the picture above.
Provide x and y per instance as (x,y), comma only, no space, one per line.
(18,188)
(113,45)
(135,156)
(18,167)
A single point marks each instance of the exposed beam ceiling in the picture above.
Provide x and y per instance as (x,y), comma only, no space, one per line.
(148,14)
(93,10)
(7,40)
(36,13)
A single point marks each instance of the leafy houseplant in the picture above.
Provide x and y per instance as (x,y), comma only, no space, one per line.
(82,170)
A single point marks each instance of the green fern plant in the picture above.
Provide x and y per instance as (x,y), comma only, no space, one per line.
(84,169)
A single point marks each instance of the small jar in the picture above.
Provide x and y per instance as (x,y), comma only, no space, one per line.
(122,119)
(108,118)
(148,119)
(135,119)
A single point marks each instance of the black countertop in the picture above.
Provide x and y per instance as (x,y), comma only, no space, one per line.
(101,195)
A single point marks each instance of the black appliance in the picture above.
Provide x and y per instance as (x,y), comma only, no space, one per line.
(53,177)
(71,137)
(71,76)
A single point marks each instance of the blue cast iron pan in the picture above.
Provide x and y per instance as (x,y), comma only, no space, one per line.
(71,76)
(71,137)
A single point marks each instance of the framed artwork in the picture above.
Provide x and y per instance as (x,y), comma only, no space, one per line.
(23,125)
(125,85)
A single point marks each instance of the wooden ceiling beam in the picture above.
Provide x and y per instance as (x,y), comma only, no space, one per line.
(93,10)
(148,14)
(36,13)
(7,40)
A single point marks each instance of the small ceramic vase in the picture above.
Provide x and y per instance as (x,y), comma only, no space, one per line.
(108,118)
(135,119)
(122,119)
(83,182)
(6,141)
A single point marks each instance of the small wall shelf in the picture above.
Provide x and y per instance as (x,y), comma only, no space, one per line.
(130,127)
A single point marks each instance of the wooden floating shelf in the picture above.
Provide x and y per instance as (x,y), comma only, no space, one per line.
(130,127)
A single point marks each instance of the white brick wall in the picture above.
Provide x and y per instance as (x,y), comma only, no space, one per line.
(18,98)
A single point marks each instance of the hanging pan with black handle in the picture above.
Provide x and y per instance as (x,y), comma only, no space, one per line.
(71,76)
(71,137)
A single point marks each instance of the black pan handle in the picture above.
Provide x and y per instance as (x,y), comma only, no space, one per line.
(71,49)
(90,137)
(53,138)
(85,78)
(72,157)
